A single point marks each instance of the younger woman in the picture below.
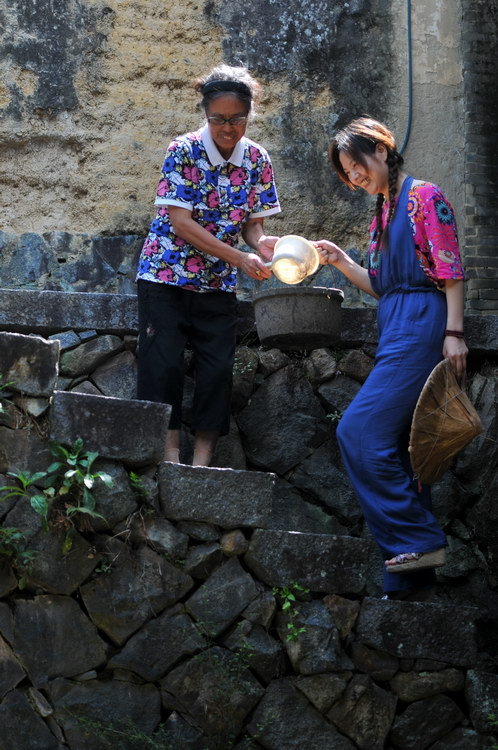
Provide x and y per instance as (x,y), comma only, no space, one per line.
(415,271)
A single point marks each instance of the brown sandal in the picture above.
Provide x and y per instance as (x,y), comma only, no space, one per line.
(409,562)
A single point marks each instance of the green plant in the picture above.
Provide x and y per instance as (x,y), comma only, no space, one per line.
(337,353)
(112,737)
(138,486)
(240,368)
(4,387)
(24,481)
(66,500)
(13,546)
(287,596)
(334,416)
(493,719)
(103,567)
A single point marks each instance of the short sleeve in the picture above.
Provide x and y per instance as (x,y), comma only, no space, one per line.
(180,178)
(435,233)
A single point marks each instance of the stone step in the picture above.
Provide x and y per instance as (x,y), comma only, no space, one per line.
(47,312)
(225,497)
(322,562)
(130,431)
(420,630)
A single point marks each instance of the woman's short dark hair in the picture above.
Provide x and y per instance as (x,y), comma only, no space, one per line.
(228,79)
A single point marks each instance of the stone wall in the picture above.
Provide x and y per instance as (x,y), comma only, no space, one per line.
(481,155)
(172,610)
(92,92)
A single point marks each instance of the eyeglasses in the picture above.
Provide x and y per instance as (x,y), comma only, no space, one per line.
(216,120)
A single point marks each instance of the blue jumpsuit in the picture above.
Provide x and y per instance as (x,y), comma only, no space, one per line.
(373,433)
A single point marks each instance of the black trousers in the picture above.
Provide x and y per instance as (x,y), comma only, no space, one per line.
(169,317)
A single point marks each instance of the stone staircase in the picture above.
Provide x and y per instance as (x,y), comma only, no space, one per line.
(172,611)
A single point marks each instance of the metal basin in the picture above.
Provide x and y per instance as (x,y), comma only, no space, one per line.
(298,317)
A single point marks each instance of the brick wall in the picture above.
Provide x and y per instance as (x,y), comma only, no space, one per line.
(480,230)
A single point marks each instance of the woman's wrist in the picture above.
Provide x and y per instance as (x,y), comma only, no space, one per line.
(455,333)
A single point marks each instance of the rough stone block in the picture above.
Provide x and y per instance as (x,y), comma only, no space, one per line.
(30,363)
(22,727)
(130,431)
(419,630)
(77,648)
(364,713)
(481,691)
(221,599)
(23,450)
(203,559)
(317,649)
(115,503)
(323,563)
(56,572)
(322,690)
(11,672)
(108,702)
(159,645)
(118,376)
(48,312)
(415,686)
(262,653)
(276,437)
(226,497)
(424,722)
(8,584)
(89,355)
(285,719)
(139,584)
(224,693)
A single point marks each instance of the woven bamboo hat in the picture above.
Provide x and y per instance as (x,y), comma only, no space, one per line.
(444,422)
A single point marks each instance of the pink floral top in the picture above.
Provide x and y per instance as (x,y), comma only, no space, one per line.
(434,229)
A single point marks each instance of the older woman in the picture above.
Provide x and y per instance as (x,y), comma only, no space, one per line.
(216,186)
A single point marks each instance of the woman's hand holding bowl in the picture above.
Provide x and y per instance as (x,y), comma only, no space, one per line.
(266,245)
(254,267)
(329,253)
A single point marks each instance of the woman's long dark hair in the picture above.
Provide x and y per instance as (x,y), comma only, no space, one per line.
(357,140)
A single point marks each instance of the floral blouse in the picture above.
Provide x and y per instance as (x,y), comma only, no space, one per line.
(221,195)
(434,229)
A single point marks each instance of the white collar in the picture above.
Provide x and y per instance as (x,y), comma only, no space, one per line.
(214,155)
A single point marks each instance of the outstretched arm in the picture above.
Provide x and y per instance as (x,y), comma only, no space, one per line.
(333,255)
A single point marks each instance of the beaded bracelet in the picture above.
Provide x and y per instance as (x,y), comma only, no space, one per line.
(456,334)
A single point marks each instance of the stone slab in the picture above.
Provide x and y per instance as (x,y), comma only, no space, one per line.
(125,430)
(413,630)
(40,311)
(29,362)
(225,497)
(49,312)
(321,562)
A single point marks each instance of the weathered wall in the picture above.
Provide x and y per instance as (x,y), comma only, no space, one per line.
(481,154)
(91,92)
(436,147)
